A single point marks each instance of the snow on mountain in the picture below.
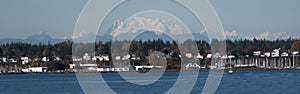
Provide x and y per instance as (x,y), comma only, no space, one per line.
(265,35)
(233,35)
(158,26)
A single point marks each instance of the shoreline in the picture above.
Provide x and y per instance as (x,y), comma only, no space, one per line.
(234,69)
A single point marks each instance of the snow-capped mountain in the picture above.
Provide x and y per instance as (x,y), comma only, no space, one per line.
(265,35)
(144,29)
(163,29)
(158,26)
(276,35)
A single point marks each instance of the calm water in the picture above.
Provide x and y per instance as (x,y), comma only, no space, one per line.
(240,82)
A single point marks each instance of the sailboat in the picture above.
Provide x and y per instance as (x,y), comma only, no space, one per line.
(230,64)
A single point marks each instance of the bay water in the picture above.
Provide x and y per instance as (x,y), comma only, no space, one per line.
(238,82)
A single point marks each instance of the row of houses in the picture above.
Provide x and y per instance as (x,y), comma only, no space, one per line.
(274,53)
(259,59)
(87,57)
(25,60)
(238,61)
(273,59)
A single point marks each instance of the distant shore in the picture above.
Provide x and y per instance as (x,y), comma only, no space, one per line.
(265,69)
(235,69)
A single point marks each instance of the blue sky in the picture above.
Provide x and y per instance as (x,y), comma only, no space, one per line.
(21,18)
(257,16)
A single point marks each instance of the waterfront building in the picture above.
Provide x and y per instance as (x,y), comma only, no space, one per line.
(35,69)
(25,60)
(192,65)
(86,57)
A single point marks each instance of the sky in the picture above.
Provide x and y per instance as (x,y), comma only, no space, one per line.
(22,18)
(257,16)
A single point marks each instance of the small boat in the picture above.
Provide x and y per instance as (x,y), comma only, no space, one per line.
(230,71)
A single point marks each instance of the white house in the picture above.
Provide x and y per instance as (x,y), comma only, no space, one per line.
(45,59)
(118,58)
(199,56)
(25,60)
(4,59)
(189,55)
(284,54)
(256,53)
(126,57)
(86,57)
(13,60)
(56,58)
(275,53)
(100,58)
(209,56)
(105,57)
(267,54)
(231,56)
(72,66)
(192,65)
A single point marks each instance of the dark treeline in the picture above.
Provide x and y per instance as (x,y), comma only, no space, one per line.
(63,50)
(35,52)
(246,47)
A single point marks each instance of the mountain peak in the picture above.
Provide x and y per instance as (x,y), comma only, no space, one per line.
(40,36)
(158,26)
(264,35)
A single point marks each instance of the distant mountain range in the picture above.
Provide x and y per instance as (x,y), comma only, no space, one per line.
(34,39)
(145,36)
(265,35)
(144,29)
